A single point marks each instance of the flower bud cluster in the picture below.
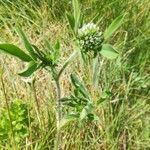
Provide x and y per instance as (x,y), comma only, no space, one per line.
(90,39)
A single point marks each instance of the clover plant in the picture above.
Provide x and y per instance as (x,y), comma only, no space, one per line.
(89,38)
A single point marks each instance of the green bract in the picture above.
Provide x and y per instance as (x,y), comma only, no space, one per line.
(90,38)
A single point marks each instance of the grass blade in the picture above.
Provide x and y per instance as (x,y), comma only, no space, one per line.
(77,13)
(71,20)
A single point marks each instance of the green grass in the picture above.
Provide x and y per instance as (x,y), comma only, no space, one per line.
(124,117)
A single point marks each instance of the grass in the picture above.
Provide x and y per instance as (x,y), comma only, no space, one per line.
(124,117)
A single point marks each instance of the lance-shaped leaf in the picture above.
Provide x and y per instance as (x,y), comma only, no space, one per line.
(113,26)
(27,44)
(71,20)
(86,110)
(31,68)
(79,86)
(56,53)
(77,13)
(15,51)
(108,51)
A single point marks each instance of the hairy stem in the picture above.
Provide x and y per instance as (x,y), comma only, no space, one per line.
(58,115)
(58,108)
(56,76)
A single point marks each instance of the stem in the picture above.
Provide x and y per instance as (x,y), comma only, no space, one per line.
(8,109)
(56,76)
(58,107)
(58,115)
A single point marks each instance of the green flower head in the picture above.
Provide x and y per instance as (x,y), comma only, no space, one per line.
(90,38)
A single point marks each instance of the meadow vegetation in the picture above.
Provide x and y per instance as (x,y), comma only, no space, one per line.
(120,91)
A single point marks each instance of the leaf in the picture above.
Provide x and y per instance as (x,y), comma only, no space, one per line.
(83,114)
(79,86)
(27,44)
(77,13)
(39,54)
(32,67)
(67,119)
(68,101)
(86,110)
(15,51)
(56,52)
(71,20)
(104,98)
(93,117)
(57,45)
(113,26)
(108,51)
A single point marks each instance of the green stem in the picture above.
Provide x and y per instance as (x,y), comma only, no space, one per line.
(56,76)
(58,115)
(58,107)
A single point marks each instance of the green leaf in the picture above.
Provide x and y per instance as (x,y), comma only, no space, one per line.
(79,86)
(77,13)
(93,117)
(83,114)
(57,45)
(32,67)
(86,110)
(27,44)
(113,26)
(104,98)
(39,54)
(56,53)
(71,20)
(108,51)
(67,119)
(15,51)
